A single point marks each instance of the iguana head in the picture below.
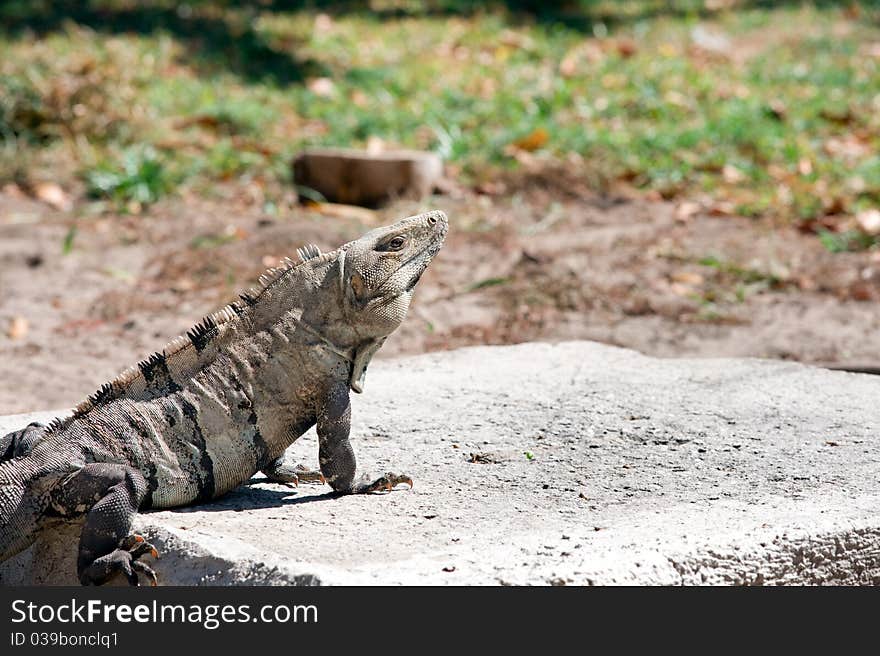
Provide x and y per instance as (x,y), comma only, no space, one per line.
(379,274)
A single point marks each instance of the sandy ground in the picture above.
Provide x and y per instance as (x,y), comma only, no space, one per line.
(535,264)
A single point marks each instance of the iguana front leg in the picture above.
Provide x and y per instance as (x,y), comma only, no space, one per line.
(334,449)
(106,545)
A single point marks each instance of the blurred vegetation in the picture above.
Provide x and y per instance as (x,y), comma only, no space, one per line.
(759,108)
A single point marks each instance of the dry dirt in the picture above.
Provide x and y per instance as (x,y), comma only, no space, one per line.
(535,264)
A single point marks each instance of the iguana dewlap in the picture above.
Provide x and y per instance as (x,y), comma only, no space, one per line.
(220,403)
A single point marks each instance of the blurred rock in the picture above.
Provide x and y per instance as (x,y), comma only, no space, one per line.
(358,177)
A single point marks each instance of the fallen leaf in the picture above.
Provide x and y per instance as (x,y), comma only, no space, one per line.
(626,48)
(515,39)
(13,190)
(568,65)
(849,147)
(18,327)
(532,141)
(183,285)
(872,50)
(723,208)
(687,278)
(869,221)
(491,188)
(839,116)
(679,289)
(341,211)
(323,23)
(686,210)
(807,284)
(359,98)
(777,109)
(731,174)
(53,195)
(710,41)
(862,291)
(321,86)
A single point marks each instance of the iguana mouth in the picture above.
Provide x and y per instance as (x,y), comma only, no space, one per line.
(414,282)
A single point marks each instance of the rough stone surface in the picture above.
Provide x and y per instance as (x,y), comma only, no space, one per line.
(360,177)
(571,463)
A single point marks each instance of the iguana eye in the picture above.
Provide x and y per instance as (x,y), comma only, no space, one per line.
(393,245)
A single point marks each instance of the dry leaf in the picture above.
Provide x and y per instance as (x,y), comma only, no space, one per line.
(183,285)
(321,86)
(862,291)
(515,40)
(323,23)
(687,278)
(680,289)
(723,208)
(568,65)
(778,109)
(13,190)
(686,210)
(710,41)
(359,98)
(626,48)
(342,211)
(731,174)
(869,221)
(588,51)
(532,141)
(53,195)
(807,284)
(849,147)
(872,50)
(18,327)
(838,116)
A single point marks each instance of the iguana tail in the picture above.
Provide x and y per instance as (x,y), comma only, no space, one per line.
(21,442)
(24,501)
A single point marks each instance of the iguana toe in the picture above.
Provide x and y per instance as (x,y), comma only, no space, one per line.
(122,560)
(106,567)
(146,570)
(388,482)
(137,546)
(309,475)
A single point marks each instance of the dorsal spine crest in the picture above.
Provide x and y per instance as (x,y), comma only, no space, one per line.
(135,381)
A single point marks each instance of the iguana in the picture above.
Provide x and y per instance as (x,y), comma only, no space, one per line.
(220,403)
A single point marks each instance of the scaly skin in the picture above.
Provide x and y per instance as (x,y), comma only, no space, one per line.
(221,403)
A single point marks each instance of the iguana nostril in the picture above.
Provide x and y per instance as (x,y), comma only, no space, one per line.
(432,219)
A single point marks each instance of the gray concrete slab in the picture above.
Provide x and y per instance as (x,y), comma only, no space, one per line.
(571,463)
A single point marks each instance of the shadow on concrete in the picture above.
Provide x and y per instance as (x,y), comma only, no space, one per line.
(251,497)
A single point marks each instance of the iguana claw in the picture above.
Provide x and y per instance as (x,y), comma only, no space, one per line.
(125,560)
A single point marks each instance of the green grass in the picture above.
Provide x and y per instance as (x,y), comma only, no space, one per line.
(140,178)
(848,240)
(784,122)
